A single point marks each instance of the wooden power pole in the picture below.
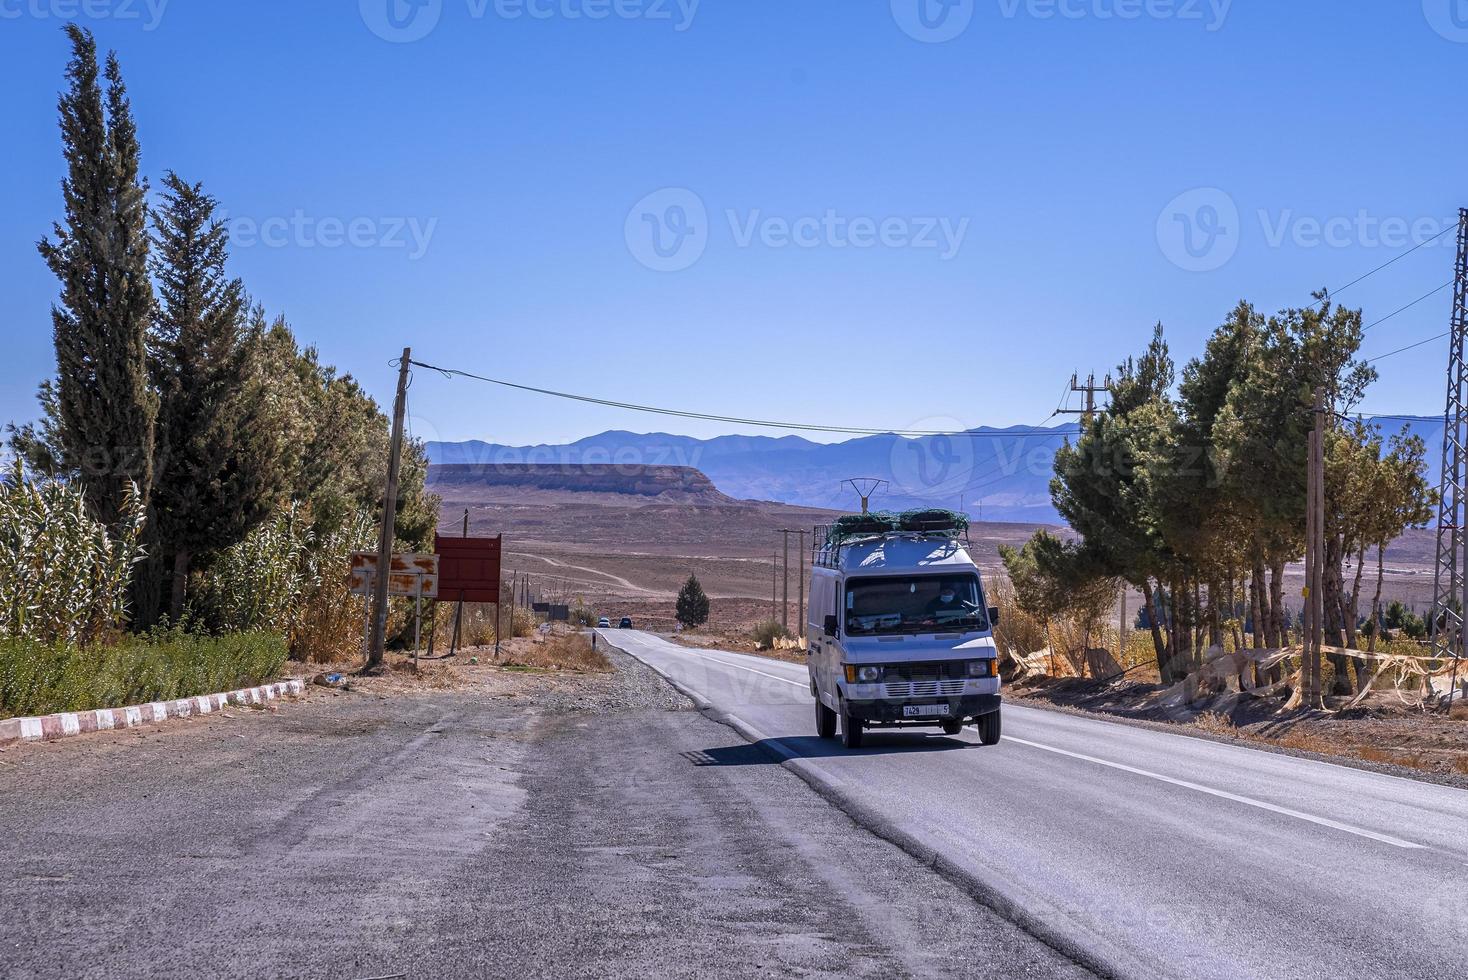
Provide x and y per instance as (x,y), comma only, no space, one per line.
(1121,630)
(1090,389)
(1310,671)
(774,586)
(785,583)
(378,639)
(800,616)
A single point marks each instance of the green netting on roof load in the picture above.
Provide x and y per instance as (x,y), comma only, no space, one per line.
(925,520)
(859,525)
(932,520)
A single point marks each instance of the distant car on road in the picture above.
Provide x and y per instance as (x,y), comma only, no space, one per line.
(603,623)
(625,624)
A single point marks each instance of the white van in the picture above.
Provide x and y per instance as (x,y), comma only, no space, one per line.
(900,634)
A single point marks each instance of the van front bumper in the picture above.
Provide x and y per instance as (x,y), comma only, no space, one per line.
(888,712)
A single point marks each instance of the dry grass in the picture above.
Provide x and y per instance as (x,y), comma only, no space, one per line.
(1215,723)
(571,652)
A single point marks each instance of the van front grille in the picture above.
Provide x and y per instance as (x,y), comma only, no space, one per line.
(923,689)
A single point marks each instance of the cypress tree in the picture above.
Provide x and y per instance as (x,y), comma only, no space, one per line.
(219,466)
(105,408)
(693,604)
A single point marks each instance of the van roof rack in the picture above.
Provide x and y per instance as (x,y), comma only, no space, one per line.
(829,539)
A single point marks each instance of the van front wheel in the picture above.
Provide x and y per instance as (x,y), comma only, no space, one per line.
(989,728)
(825,721)
(851,729)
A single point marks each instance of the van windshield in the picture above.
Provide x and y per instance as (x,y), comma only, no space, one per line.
(886,606)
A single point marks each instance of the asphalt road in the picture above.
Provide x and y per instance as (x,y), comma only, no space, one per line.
(585,827)
(1142,853)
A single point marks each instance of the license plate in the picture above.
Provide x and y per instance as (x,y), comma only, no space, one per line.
(924,710)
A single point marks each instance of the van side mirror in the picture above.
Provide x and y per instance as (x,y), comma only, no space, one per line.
(993,615)
(832,625)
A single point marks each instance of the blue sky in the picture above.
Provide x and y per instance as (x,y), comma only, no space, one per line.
(863,214)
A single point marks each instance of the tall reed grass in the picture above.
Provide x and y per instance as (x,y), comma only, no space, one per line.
(63,575)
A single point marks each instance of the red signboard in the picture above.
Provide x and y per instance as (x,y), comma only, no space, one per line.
(469,569)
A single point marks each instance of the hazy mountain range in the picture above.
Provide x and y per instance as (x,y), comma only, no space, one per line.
(994,474)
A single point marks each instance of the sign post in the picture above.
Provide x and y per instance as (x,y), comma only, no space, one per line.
(471,573)
(409,576)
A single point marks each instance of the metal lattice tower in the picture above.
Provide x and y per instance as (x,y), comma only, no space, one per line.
(1450,584)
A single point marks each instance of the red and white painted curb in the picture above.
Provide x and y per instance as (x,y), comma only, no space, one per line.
(52,727)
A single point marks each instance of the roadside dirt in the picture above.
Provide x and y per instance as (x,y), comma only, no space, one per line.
(1383,731)
(735,641)
(532,824)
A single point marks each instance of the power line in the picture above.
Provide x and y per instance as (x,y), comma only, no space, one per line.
(1390,262)
(733,419)
(1419,299)
(1379,417)
(1403,350)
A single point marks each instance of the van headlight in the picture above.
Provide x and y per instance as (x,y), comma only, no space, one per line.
(863,675)
(983,668)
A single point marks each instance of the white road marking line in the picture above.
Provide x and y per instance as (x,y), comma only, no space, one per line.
(725,663)
(1222,794)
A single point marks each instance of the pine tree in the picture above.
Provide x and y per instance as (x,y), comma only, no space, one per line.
(1107,486)
(693,604)
(219,470)
(105,408)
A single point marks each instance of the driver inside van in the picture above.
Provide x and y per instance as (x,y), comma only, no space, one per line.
(946,601)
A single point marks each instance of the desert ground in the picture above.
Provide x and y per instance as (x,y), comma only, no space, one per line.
(627,555)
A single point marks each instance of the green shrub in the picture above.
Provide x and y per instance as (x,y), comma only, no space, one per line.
(38,678)
(765,634)
(288,578)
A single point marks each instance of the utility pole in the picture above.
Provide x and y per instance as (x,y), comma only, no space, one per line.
(1090,389)
(378,639)
(800,616)
(1121,630)
(458,609)
(1314,558)
(785,586)
(1450,575)
(866,487)
(774,586)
